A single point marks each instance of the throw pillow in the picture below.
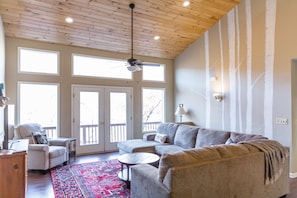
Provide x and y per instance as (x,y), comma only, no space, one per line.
(40,137)
(160,137)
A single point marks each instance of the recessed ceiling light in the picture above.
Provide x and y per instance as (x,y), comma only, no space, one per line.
(157,37)
(186,3)
(69,20)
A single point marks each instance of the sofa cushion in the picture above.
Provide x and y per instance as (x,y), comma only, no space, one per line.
(185,157)
(167,148)
(201,155)
(186,136)
(208,137)
(169,129)
(239,137)
(56,151)
(137,145)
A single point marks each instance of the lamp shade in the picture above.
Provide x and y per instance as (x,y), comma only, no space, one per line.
(180,110)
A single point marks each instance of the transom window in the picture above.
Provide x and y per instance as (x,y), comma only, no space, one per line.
(83,65)
(38,61)
(153,73)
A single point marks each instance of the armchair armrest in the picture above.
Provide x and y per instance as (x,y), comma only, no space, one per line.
(38,147)
(145,183)
(59,142)
(149,136)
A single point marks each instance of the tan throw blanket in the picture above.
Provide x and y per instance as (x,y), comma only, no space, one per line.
(274,157)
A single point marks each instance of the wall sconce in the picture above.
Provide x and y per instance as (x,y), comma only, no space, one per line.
(218,97)
(180,111)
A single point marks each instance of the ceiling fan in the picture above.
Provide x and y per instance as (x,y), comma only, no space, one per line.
(135,64)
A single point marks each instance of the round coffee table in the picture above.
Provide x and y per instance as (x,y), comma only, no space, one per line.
(130,159)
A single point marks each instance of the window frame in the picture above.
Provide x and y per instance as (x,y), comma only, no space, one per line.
(38,73)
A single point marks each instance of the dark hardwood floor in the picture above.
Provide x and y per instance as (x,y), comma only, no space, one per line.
(40,185)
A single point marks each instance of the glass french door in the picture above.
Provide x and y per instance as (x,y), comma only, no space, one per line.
(102,116)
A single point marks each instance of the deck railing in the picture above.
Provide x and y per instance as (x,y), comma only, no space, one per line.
(89,133)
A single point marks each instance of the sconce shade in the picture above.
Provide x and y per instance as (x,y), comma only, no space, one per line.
(218,97)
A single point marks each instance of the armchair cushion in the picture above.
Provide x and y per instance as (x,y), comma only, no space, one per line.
(24,131)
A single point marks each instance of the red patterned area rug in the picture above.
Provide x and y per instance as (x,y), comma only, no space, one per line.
(89,180)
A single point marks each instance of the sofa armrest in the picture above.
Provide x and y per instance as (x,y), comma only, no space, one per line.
(145,184)
(149,136)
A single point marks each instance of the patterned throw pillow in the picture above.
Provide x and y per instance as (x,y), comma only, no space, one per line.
(160,137)
(40,137)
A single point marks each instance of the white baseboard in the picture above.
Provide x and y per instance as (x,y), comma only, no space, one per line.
(293,175)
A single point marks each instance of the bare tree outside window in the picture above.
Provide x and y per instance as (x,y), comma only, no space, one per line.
(152,108)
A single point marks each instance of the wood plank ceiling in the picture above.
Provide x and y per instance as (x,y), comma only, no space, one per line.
(105,24)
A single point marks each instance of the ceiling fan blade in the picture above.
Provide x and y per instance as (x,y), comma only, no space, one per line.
(151,64)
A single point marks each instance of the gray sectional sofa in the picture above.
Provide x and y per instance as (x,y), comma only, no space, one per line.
(197,162)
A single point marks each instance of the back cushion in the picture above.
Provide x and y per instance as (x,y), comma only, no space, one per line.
(186,157)
(207,137)
(169,129)
(238,137)
(26,130)
(201,156)
(186,136)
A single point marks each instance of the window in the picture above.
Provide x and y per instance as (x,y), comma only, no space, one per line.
(153,73)
(39,104)
(152,108)
(83,65)
(38,61)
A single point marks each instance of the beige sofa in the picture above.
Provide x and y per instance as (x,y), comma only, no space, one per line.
(198,162)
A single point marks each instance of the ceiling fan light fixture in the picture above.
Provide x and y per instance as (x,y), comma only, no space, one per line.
(133,68)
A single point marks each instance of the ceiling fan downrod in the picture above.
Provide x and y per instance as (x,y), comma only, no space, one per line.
(132,6)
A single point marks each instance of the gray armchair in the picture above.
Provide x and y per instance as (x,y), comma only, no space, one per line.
(42,156)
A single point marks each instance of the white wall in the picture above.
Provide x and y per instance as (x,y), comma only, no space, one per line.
(250,51)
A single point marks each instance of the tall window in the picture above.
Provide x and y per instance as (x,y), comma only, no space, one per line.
(83,65)
(39,104)
(38,61)
(153,73)
(152,108)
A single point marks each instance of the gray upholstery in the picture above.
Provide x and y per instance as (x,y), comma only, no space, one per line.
(185,136)
(222,165)
(239,137)
(207,137)
(167,148)
(219,171)
(137,145)
(169,129)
